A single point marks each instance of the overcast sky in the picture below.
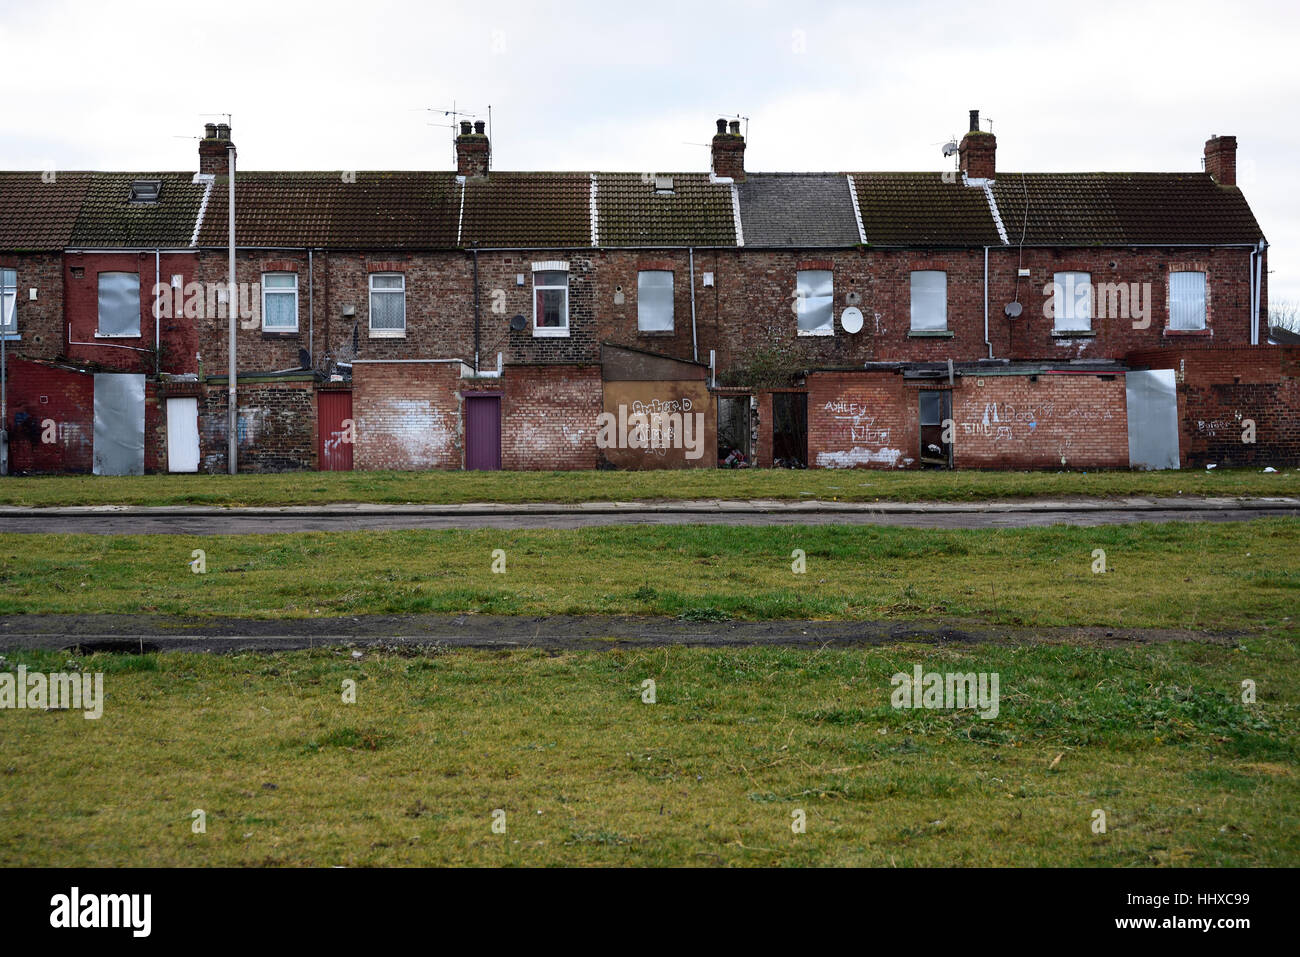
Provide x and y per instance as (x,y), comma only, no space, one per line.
(825,86)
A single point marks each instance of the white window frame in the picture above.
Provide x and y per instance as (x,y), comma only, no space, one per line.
(915,315)
(827,328)
(8,304)
(99,319)
(640,300)
(1065,293)
(370,305)
(551,331)
(280,292)
(1205,301)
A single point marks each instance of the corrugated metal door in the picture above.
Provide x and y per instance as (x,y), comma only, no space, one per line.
(336,430)
(1152,419)
(483,432)
(182,435)
(119,424)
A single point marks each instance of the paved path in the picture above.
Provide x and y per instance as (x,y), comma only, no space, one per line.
(150,633)
(206,520)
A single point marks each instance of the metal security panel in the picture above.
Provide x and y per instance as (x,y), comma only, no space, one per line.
(119,424)
(1152,419)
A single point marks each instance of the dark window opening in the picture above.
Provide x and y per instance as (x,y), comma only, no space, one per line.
(936,428)
(790,430)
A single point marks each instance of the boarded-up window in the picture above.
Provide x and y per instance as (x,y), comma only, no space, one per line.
(654,300)
(387,304)
(1187,300)
(1072,301)
(280,302)
(8,301)
(814,302)
(929,300)
(119,304)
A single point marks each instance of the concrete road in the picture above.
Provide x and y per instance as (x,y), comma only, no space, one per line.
(187,520)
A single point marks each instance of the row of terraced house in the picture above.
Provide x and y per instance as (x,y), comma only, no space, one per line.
(486,319)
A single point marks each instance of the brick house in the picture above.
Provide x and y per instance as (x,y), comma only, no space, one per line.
(495,319)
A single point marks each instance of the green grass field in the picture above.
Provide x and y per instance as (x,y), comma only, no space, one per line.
(1227,575)
(1155,737)
(308,488)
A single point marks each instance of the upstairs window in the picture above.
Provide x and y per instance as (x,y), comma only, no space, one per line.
(929,301)
(8,302)
(654,300)
(280,301)
(814,302)
(1187,300)
(387,304)
(550,299)
(119,304)
(1072,301)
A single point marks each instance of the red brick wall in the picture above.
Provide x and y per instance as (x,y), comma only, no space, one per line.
(548,417)
(40,323)
(1218,389)
(179,336)
(859,419)
(1058,421)
(407,415)
(39,392)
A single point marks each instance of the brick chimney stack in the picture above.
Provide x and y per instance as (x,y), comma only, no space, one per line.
(978,151)
(729,151)
(1221,159)
(472,149)
(213,155)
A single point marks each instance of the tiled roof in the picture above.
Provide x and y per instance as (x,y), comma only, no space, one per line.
(527,210)
(365,210)
(36,214)
(919,209)
(108,218)
(797,209)
(631,212)
(1100,209)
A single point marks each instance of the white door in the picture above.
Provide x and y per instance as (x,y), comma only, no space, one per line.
(182,435)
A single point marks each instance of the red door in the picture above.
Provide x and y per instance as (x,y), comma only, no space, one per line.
(336,430)
(483,432)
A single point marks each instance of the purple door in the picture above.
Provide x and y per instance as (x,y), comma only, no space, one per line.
(483,432)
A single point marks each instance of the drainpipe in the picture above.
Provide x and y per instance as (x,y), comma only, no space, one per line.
(232,413)
(476,313)
(311,315)
(695,350)
(157,322)
(987,342)
(4,379)
(1256,290)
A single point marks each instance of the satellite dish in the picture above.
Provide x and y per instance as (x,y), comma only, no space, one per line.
(951,148)
(518,324)
(851,319)
(1012,310)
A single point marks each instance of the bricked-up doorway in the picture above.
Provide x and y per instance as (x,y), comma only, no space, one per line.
(483,433)
(935,410)
(336,432)
(790,430)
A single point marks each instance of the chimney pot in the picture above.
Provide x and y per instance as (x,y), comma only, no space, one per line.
(472,151)
(480,127)
(729,152)
(974,121)
(210,131)
(223,131)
